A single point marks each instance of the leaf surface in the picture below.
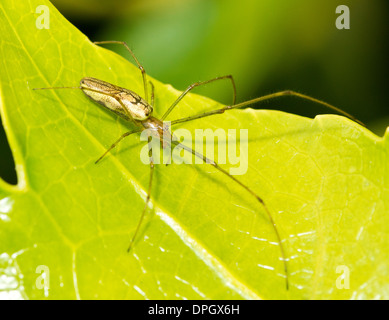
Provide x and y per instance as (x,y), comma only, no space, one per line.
(325,181)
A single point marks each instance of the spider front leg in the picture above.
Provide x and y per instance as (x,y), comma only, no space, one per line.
(152,94)
(141,68)
(197,84)
(264,98)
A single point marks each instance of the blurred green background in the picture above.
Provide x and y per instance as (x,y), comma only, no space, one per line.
(267,45)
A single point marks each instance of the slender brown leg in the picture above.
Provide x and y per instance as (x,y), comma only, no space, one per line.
(147,199)
(123,43)
(152,94)
(264,98)
(196,84)
(258,198)
(116,143)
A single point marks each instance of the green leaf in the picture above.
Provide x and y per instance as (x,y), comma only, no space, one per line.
(325,181)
